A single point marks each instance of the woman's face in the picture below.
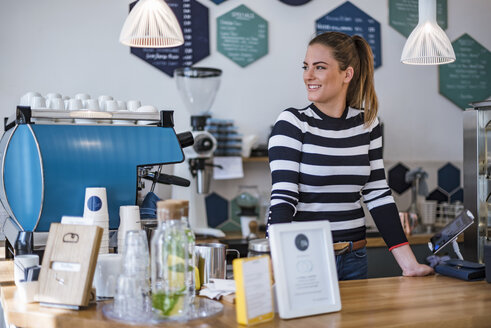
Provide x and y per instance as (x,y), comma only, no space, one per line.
(325,82)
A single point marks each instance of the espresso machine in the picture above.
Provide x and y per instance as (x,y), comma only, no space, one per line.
(198,87)
(45,168)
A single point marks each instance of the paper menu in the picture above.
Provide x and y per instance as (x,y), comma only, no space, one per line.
(254,298)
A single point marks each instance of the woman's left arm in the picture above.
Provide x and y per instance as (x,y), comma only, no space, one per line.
(408,263)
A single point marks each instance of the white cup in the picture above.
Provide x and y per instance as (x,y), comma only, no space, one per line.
(74,104)
(111,106)
(52,95)
(91,104)
(133,105)
(22,262)
(102,101)
(56,103)
(122,105)
(106,274)
(25,100)
(95,202)
(82,96)
(37,102)
(129,219)
(146,109)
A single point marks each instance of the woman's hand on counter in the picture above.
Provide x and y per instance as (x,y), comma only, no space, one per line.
(408,263)
(418,270)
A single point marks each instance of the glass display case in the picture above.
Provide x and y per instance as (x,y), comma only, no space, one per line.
(477,177)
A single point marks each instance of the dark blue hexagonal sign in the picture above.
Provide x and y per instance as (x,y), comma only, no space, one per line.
(217,2)
(468,79)
(351,20)
(397,178)
(242,35)
(216,209)
(193,18)
(295,2)
(448,178)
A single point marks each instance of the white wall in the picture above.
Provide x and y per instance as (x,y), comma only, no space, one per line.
(72,46)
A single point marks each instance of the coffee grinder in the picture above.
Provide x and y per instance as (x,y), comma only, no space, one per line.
(198,87)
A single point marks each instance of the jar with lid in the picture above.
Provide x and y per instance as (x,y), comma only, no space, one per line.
(258,247)
(170,261)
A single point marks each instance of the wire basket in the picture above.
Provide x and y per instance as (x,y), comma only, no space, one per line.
(427,211)
(446,212)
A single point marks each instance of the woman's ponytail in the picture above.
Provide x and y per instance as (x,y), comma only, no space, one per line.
(361,92)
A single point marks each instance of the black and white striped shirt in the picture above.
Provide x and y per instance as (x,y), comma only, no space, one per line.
(322,167)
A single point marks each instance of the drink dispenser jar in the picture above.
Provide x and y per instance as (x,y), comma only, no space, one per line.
(170,260)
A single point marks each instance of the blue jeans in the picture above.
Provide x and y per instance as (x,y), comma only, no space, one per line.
(352,265)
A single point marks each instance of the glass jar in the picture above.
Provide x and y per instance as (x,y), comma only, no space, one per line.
(258,247)
(170,262)
(192,272)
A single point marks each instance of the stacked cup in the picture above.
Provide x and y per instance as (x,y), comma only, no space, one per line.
(129,219)
(132,300)
(95,210)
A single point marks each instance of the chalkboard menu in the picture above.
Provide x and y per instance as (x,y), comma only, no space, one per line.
(242,35)
(217,2)
(351,20)
(193,18)
(468,79)
(403,15)
(295,2)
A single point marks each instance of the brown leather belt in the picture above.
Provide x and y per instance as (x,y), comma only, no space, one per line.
(344,247)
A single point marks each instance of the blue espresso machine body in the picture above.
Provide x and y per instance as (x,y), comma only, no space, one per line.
(46,168)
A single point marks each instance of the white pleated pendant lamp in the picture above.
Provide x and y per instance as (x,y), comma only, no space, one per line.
(151,24)
(427,44)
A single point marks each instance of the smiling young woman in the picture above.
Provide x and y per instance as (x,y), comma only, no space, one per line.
(327,157)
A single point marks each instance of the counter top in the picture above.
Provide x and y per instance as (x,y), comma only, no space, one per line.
(433,301)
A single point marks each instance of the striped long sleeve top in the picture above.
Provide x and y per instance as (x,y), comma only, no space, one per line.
(323,167)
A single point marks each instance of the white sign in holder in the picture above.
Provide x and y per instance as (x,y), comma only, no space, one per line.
(304,269)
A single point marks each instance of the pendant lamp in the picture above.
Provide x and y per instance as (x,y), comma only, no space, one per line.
(151,24)
(427,44)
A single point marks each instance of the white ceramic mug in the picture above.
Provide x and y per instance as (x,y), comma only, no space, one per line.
(22,262)
(106,274)
(133,105)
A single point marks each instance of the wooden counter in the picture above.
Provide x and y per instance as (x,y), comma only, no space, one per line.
(433,301)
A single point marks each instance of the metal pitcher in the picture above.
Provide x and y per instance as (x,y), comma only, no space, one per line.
(211,260)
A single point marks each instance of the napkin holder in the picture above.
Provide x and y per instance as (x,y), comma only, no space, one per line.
(68,265)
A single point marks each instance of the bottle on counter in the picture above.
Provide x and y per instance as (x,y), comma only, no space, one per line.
(171,260)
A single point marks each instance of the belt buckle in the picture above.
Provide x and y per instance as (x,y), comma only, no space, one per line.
(343,250)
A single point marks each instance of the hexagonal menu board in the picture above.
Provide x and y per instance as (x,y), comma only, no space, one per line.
(193,18)
(403,15)
(351,20)
(242,35)
(468,79)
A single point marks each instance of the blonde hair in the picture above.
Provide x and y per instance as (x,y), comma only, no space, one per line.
(354,51)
